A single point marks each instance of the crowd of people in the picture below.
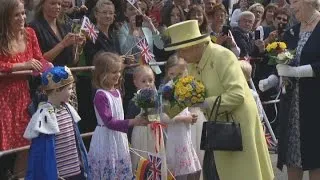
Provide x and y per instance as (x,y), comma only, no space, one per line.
(222,43)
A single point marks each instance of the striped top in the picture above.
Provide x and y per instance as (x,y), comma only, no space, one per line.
(67,156)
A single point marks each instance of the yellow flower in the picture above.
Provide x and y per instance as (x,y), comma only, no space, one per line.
(268,48)
(194,100)
(198,90)
(179,85)
(190,79)
(274,45)
(282,45)
(181,98)
(201,86)
(184,81)
(189,87)
(181,91)
(188,94)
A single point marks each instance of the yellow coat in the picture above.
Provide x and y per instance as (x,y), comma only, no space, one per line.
(220,72)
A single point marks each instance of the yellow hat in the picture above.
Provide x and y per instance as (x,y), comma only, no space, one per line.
(185,34)
(56,77)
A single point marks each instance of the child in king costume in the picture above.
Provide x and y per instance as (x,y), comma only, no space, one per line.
(57,150)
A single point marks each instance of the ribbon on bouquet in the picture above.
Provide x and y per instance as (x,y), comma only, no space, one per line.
(156,128)
(283,81)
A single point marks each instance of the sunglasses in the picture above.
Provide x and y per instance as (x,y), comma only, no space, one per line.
(282,19)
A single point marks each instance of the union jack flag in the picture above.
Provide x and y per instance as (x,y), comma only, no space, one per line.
(155,169)
(132,2)
(146,54)
(271,144)
(88,27)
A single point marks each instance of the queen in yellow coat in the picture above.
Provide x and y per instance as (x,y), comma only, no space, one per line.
(220,71)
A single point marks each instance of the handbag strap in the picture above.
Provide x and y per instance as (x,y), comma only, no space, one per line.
(204,138)
(216,103)
(229,116)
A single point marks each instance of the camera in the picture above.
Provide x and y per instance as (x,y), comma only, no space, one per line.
(257,35)
(225,30)
(281,28)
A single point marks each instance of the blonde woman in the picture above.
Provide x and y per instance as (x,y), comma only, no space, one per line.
(257,9)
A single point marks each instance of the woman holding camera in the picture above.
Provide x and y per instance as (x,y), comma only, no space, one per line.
(221,34)
(280,23)
(136,28)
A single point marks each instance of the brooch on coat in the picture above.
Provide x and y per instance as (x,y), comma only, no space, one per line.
(292,32)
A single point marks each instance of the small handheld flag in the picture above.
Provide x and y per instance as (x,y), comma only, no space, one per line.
(146,54)
(132,2)
(155,169)
(88,27)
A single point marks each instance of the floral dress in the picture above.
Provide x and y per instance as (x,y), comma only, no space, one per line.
(14,95)
(293,155)
(109,157)
(182,158)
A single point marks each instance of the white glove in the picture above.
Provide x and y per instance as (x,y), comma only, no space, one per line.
(300,71)
(270,82)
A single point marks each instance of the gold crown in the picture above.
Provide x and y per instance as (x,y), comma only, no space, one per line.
(56,77)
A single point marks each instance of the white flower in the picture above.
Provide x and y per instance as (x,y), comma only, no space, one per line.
(281,56)
(284,57)
(288,54)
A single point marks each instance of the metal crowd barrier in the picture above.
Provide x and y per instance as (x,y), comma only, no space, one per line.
(12,151)
(77,69)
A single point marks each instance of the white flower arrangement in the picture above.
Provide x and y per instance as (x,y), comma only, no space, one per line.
(284,57)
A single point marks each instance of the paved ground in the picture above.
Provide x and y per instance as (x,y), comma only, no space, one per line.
(279,175)
(282,175)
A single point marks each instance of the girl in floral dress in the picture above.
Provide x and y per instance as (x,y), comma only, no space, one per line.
(109,156)
(182,158)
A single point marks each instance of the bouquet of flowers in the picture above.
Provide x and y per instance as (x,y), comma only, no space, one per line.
(278,53)
(147,100)
(185,91)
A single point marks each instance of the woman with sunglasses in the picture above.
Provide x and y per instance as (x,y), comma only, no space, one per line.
(280,23)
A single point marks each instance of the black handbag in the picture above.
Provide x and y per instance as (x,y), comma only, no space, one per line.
(221,135)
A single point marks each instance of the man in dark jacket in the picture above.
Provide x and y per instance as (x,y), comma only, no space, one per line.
(244,38)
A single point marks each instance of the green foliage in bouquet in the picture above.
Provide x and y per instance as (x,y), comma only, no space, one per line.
(278,53)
